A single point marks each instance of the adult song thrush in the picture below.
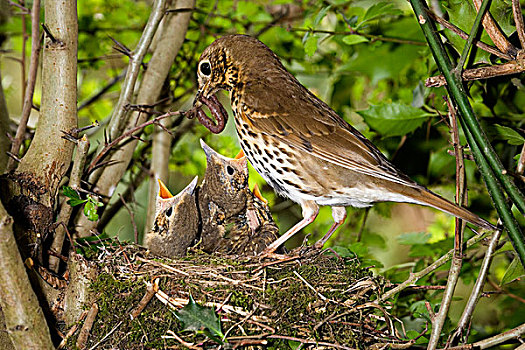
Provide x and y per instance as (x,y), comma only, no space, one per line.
(298,144)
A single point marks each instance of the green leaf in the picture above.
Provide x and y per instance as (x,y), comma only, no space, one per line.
(378,10)
(69,192)
(310,45)
(510,135)
(90,210)
(514,271)
(414,238)
(354,39)
(199,318)
(74,202)
(394,119)
(321,15)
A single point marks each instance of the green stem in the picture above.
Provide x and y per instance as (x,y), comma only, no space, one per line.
(472,36)
(488,162)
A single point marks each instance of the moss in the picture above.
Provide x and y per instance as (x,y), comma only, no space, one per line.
(317,305)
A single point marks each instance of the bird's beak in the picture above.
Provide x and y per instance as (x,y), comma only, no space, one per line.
(196,102)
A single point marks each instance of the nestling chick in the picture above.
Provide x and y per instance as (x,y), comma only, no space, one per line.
(234,221)
(176,224)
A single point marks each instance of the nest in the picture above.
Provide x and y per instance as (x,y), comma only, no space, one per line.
(320,299)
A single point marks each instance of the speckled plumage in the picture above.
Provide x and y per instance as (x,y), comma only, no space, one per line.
(298,144)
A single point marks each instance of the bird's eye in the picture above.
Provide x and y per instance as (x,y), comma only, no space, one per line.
(169,211)
(230,170)
(205,68)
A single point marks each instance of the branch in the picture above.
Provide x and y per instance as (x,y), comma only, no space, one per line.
(514,333)
(66,210)
(24,319)
(173,35)
(465,36)
(495,33)
(455,268)
(414,277)
(518,20)
(30,87)
(508,68)
(464,322)
(487,160)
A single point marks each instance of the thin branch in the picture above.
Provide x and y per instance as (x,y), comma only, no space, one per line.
(463,35)
(464,322)
(518,20)
(482,8)
(495,33)
(514,67)
(132,217)
(83,335)
(127,134)
(102,91)
(514,333)
(355,32)
(457,259)
(66,210)
(31,81)
(414,277)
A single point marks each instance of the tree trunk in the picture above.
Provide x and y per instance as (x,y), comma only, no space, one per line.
(29,192)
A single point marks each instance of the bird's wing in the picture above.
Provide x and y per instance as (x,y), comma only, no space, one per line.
(322,133)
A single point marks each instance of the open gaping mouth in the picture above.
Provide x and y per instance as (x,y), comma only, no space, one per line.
(217,111)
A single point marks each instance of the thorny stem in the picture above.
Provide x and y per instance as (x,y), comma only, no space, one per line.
(457,259)
(487,160)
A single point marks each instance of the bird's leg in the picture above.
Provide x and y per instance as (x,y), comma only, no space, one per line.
(310,211)
(339,215)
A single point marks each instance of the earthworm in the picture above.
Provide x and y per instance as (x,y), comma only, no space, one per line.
(217,111)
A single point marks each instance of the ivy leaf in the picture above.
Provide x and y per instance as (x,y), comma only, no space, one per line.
(310,45)
(199,318)
(354,39)
(510,135)
(514,271)
(394,119)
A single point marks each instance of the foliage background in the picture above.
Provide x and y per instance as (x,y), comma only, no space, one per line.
(374,80)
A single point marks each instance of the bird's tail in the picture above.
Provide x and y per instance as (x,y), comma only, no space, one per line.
(428,198)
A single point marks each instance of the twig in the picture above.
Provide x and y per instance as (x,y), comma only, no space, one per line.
(518,20)
(49,34)
(106,336)
(482,9)
(503,291)
(83,336)
(495,33)
(414,277)
(508,68)
(72,330)
(151,289)
(102,91)
(310,286)
(465,36)
(66,209)
(462,329)
(455,268)
(164,266)
(310,341)
(31,81)
(127,134)
(184,343)
(514,333)
(132,217)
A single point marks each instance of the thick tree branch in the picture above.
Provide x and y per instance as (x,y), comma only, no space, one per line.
(25,321)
